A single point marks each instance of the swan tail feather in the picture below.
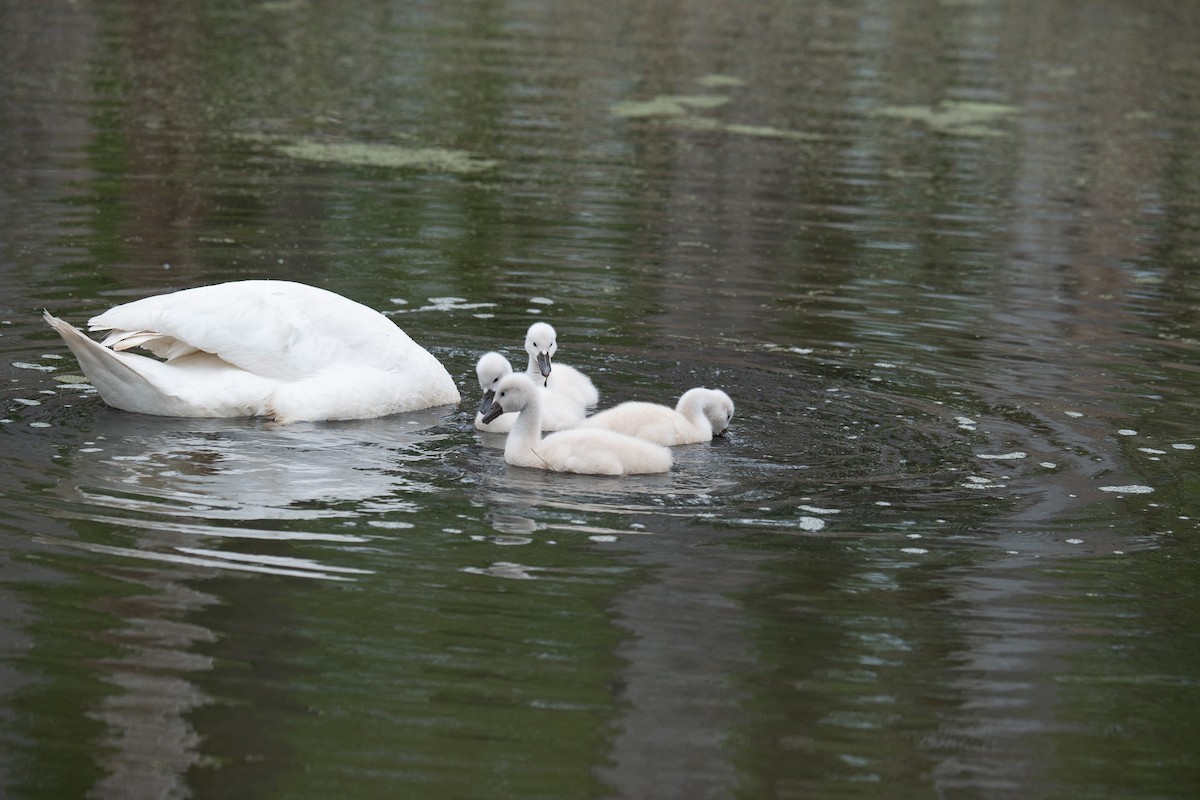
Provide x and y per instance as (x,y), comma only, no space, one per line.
(113,375)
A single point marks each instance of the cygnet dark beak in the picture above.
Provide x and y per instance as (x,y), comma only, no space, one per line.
(486,403)
(543,362)
(494,411)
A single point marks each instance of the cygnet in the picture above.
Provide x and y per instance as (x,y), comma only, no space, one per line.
(541,342)
(699,415)
(591,452)
(558,410)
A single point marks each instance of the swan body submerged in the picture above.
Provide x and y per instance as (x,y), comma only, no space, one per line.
(558,410)
(541,342)
(699,415)
(592,452)
(257,348)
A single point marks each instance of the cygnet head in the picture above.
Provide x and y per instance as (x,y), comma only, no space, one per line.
(513,393)
(490,369)
(714,403)
(541,343)
(719,412)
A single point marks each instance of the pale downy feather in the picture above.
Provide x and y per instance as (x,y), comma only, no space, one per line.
(558,410)
(698,416)
(593,452)
(541,343)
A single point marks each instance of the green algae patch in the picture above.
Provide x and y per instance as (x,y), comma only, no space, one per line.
(658,107)
(955,118)
(699,123)
(684,111)
(669,105)
(391,156)
(720,82)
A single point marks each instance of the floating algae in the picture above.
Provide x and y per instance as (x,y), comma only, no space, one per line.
(676,110)
(709,124)
(667,105)
(366,154)
(720,81)
(772,133)
(371,154)
(951,117)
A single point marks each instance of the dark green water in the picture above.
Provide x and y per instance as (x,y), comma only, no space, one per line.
(944,256)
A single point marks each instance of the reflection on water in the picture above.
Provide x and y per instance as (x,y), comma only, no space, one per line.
(157,477)
(687,648)
(940,254)
(250,470)
(179,493)
(149,744)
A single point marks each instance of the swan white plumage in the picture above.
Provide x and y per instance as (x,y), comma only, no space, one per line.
(592,452)
(558,410)
(699,415)
(541,342)
(257,348)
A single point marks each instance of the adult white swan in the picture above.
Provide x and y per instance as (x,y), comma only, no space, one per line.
(593,452)
(541,342)
(257,348)
(699,415)
(558,410)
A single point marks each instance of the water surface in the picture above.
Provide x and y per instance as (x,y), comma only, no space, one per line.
(943,256)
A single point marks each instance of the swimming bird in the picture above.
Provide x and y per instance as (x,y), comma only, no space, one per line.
(558,410)
(541,342)
(699,415)
(257,348)
(592,452)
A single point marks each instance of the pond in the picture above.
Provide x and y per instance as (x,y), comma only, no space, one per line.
(943,254)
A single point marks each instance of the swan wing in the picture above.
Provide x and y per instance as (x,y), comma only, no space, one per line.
(275,329)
